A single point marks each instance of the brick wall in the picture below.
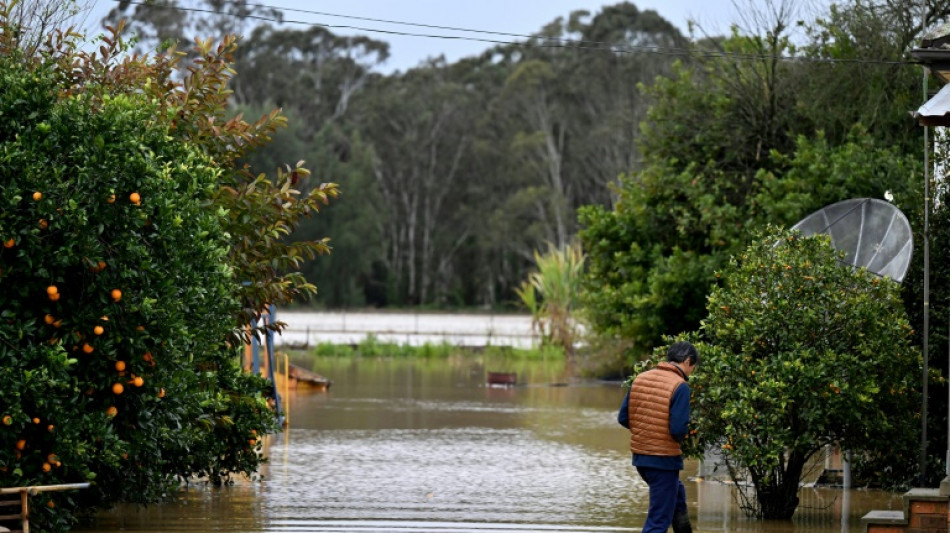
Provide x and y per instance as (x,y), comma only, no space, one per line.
(927,517)
(925,511)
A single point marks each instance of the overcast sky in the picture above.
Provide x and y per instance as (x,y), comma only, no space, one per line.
(508,16)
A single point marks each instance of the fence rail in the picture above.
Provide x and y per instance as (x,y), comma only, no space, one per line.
(25,493)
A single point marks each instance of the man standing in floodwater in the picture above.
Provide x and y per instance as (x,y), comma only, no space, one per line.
(657,413)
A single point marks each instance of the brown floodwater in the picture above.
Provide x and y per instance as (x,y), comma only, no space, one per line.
(414,446)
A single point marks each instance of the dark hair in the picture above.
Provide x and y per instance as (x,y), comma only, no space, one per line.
(679,351)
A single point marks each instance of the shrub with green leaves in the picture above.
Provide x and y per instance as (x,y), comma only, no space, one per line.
(799,351)
(117,301)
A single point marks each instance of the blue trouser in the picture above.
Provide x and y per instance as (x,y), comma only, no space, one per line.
(667,495)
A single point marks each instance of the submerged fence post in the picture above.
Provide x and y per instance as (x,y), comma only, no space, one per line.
(255,350)
(271,358)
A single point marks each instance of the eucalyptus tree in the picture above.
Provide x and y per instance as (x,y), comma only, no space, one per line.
(632,48)
(161,23)
(34,20)
(574,109)
(418,125)
(353,275)
(312,71)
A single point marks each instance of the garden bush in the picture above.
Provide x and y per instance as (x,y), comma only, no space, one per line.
(118,299)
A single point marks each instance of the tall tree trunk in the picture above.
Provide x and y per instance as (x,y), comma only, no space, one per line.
(552,153)
(410,203)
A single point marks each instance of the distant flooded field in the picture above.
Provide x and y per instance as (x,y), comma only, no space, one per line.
(401,445)
(415,329)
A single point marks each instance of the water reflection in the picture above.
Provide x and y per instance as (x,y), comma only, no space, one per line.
(403,445)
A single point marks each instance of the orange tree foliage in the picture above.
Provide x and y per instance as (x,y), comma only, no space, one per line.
(134,248)
(260,210)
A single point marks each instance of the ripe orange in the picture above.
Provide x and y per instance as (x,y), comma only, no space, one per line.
(51,290)
(36,420)
(100,266)
(117,388)
(54,297)
(98,330)
(50,428)
(47,467)
(252,442)
(138,381)
(161,393)
(52,459)
(7,420)
(43,223)
(58,323)
(20,444)
(120,365)
(87,348)
(37,196)
(49,319)
(111,199)
(50,504)
(9,243)
(112,411)
(135,198)
(116,295)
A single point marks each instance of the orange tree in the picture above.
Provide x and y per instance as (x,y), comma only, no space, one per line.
(799,352)
(127,233)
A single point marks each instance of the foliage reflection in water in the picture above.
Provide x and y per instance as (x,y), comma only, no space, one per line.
(423,445)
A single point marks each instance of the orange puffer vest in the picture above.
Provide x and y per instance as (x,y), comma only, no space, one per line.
(649,411)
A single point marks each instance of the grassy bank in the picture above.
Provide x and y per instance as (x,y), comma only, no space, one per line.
(373,347)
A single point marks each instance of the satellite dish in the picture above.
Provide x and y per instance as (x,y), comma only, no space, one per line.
(873,234)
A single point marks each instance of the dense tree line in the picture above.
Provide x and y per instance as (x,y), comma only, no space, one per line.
(452,174)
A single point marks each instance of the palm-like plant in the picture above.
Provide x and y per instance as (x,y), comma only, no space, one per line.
(550,294)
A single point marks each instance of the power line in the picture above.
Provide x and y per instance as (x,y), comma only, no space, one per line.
(548,42)
(401,23)
(554,42)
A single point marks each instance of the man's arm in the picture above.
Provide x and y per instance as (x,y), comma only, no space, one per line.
(623,416)
(679,413)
